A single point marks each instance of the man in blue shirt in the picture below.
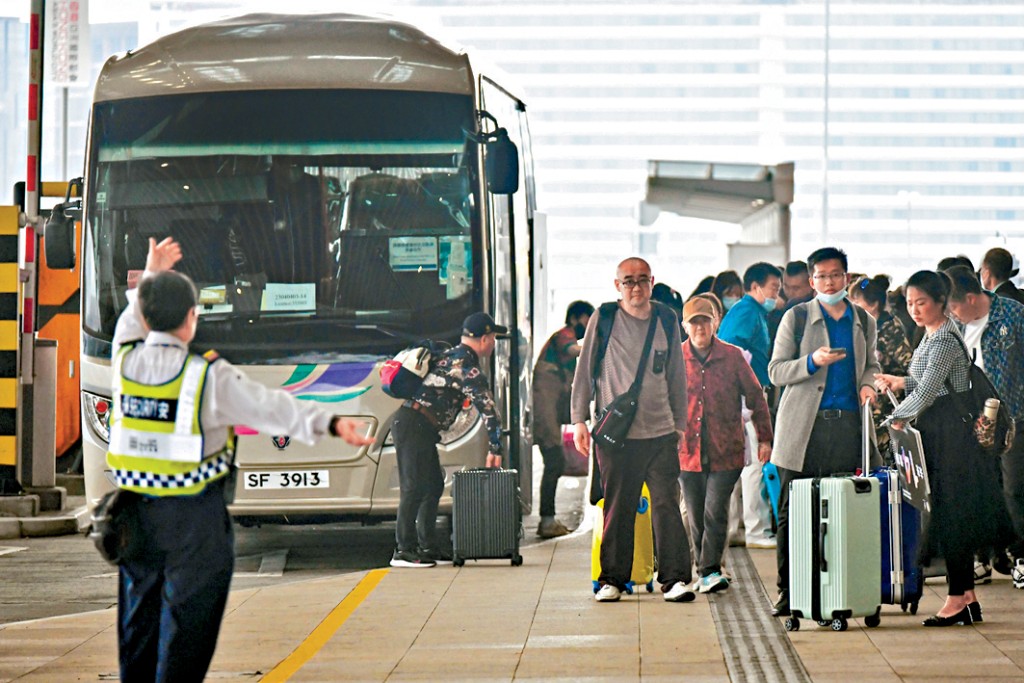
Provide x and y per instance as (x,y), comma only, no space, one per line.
(746,326)
(828,371)
(746,323)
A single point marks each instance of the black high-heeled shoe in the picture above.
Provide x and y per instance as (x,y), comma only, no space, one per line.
(961,618)
(975,608)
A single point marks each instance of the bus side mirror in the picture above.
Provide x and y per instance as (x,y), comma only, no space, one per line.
(502,164)
(59,231)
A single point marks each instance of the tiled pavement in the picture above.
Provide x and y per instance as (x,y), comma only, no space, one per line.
(489,621)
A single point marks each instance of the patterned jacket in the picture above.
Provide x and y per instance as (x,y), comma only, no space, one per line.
(714,389)
(454,378)
(894,354)
(1002,347)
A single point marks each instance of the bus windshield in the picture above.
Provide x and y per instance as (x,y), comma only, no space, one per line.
(314,223)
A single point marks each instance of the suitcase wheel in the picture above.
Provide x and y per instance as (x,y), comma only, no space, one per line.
(872,620)
(458,561)
(791,624)
(517,560)
(650,586)
(839,624)
(823,622)
(913,607)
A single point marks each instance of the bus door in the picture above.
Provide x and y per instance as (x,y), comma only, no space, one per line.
(511,297)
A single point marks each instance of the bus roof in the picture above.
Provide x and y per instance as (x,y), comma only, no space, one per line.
(279,51)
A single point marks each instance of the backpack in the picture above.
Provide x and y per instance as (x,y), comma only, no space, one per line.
(402,376)
(800,322)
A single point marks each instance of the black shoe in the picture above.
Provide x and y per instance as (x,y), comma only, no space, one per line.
(1001,563)
(975,609)
(961,618)
(435,555)
(410,559)
(781,606)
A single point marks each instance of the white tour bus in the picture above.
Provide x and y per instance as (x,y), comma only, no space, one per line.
(342,187)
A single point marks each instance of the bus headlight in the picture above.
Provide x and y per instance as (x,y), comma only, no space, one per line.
(463,423)
(97,414)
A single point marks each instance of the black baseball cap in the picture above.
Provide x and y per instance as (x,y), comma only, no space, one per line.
(480,324)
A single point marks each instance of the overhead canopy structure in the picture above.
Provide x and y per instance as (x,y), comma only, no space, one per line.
(754,196)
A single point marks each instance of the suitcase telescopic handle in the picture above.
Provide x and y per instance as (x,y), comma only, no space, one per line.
(866,427)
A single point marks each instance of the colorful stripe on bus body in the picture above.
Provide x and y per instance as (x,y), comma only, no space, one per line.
(333,383)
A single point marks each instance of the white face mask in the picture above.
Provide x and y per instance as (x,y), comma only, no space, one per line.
(833,298)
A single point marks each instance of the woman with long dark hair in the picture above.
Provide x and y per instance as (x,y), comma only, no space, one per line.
(963,480)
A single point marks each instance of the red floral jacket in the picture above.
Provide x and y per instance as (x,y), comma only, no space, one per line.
(714,388)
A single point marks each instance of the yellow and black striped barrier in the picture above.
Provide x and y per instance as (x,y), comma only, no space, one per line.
(8,334)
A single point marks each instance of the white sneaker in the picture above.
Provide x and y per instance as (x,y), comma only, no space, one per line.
(982,572)
(1017,574)
(680,592)
(608,593)
(767,543)
(713,583)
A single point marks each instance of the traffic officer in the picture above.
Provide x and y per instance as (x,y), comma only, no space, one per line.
(169,430)
(416,430)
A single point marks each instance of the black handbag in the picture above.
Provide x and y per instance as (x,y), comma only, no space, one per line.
(114,528)
(971,405)
(612,425)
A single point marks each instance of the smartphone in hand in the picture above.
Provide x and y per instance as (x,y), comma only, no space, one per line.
(838,351)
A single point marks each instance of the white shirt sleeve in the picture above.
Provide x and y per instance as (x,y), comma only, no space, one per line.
(233,399)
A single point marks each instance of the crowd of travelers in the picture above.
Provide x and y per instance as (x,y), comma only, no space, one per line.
(775,366)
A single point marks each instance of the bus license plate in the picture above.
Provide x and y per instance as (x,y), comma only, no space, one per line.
(292,479)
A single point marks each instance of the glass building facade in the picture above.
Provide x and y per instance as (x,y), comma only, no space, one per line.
(905,119)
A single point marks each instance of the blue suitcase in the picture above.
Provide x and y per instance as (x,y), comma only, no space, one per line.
(902,577)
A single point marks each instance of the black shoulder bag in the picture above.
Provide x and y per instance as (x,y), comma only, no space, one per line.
(972,413)
(613,423)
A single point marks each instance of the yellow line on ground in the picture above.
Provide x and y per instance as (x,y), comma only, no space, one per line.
(326,630)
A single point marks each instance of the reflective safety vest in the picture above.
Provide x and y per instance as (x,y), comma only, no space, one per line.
(156,440)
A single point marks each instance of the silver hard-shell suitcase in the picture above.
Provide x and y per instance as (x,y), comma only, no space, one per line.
(487,518)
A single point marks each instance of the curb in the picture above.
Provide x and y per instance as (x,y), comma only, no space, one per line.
(70,522)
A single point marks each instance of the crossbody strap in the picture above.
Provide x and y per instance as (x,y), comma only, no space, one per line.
(648,342)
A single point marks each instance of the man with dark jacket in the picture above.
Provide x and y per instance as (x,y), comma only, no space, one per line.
(996,271)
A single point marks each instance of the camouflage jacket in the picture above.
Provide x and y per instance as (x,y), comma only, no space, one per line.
(455,381)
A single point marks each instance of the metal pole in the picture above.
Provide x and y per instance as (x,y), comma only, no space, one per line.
(29,244)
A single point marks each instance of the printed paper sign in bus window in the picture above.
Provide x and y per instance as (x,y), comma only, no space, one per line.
(413,253)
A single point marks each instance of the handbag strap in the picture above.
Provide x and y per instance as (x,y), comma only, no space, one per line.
(648,342)
(957,399)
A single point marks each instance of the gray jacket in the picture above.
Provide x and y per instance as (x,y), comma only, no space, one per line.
(799,405)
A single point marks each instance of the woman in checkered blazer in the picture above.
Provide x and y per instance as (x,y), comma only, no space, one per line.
(964,482)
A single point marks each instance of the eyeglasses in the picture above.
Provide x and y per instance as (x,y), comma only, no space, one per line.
(832,277)
(629,283)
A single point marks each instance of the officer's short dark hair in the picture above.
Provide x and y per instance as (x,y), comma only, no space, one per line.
(962,281)
(165,300)
(578,309)
(827,254)
(759,274)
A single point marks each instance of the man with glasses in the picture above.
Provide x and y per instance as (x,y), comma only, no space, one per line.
(827,367)
(651,449)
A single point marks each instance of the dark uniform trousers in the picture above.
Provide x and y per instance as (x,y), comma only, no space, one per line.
(172,592)
(420,479)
